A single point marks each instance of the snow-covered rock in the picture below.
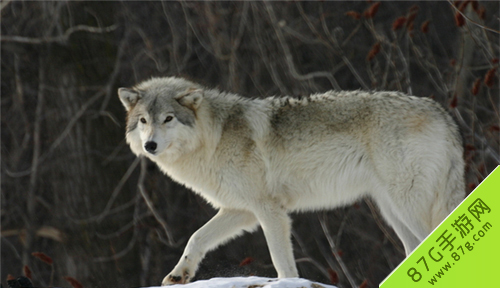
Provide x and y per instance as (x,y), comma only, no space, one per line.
(252,282)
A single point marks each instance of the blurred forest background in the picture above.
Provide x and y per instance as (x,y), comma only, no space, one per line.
(70,184)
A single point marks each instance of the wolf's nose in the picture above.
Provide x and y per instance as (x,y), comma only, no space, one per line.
(150,146)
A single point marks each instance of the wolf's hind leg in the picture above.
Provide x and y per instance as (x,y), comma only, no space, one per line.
(276,225)
(409,240)
(224,226)
(409,214)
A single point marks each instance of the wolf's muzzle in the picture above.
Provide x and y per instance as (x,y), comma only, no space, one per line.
(150,146)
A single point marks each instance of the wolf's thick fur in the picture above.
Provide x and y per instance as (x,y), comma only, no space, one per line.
(257,160)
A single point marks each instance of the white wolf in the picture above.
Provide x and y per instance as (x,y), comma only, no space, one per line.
(256,160)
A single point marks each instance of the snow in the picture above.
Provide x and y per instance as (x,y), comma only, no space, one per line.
(252,282)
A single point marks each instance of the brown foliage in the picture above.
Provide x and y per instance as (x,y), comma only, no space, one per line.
(463,5)
(411,17)
(459,19)
(333,275)
(425,27)
(471,186)
(476,86)
(364,284)
(372,10)
(246,261)
(398,23)
(374,51)
(73,282)
(353,14)
(489,77)
(42,256)
(481,12)
(27,271)
(475,5)
(454,101)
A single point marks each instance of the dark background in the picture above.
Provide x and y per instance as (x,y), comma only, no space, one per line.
(70,183)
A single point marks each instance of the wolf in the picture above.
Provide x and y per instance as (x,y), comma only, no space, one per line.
(257,160)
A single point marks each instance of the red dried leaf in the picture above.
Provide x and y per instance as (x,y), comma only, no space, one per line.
(454,101)
(334,277)
(398,23)
(10,277)
(353,14)
(42,256)
(471,186)
(481,12)
(425,27)
(414,9)
(470,147)
(372,10)
(373,52)
(495,128)
(481,169)
(457,3)
(411,18)
(453,62)
(340,252)
(463,6)
(27,271)
(73,282)
(246,261)
(475,5)
(494,60)
(364,284)
(476,86)
(409,27)
(489,78)
(459,19)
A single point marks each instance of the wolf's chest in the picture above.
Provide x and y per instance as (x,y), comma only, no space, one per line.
(212,183)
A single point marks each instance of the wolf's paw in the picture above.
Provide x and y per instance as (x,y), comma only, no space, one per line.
(174,278)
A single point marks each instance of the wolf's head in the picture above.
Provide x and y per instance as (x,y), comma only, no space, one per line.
(161,116)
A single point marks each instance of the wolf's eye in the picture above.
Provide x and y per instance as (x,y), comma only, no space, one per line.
(143,120)
(168,119)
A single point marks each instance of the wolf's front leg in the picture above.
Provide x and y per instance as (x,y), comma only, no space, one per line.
(225,225)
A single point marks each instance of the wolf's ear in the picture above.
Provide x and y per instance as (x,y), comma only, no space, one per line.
(128,97)
(191,99)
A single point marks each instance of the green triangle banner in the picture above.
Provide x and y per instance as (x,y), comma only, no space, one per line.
(464,251)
